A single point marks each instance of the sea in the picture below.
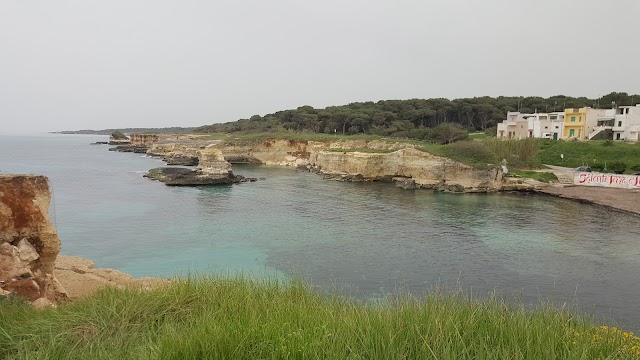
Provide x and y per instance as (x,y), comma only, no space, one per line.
(363,240)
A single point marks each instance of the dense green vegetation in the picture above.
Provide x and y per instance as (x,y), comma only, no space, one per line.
(250,319)
(117,135)
(599,155)
(413,118)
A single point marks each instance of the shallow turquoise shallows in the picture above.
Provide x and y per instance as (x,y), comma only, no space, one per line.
(362,239)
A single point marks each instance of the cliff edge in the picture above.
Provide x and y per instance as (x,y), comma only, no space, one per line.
(29,243)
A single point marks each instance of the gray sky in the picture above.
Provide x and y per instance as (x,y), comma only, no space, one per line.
(81,64)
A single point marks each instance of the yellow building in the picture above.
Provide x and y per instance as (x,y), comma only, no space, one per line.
(579,123)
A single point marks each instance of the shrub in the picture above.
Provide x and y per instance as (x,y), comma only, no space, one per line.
(117,135)
(597,167)
(447,133)
(607,143)
(635,167)
(618,167)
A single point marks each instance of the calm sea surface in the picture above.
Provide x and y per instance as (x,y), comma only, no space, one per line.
(362,239)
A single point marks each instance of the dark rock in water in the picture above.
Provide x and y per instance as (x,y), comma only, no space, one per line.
(451,188)
(187,177)
(129,148)
(181,160)
(100,143)
(407,184)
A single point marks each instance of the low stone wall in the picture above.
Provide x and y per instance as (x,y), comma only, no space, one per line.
(607,180)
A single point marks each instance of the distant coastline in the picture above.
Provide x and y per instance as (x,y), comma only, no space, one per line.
(126,130)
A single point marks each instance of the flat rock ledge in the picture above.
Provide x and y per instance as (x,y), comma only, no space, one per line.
(81,278)
(172,176)
(129,148)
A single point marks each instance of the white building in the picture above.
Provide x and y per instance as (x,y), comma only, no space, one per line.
(626,124)
(537,125)
(621,123)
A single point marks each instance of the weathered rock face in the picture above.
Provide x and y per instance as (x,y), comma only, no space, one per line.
(28,242)
(426,170)
(143,140)
(212,162)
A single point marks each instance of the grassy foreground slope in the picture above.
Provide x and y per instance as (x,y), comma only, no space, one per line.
(250,319)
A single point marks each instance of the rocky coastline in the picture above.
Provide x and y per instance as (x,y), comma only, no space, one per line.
(385,161)
(343,160)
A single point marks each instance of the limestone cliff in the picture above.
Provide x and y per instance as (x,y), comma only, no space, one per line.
(396,161)
(144,140)
(29,243)
(426,170)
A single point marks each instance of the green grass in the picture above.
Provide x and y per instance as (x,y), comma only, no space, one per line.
(252,319)
(363,150)
(589,153)
(543,176)
(477,135)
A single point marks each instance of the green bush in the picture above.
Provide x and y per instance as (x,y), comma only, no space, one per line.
(597,167)
(618,167)
(117,135)
(635,167)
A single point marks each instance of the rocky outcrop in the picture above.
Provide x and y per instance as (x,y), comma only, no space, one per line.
(81,278)
(143,140)
(213,169)
(425,170)
(28,242)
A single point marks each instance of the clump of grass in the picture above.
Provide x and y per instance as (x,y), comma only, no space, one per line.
(262,319)
(543,176)
(363,150)
(578,153)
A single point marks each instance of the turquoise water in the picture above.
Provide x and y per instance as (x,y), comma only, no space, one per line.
(363,239)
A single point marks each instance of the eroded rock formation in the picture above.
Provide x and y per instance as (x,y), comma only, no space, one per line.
(213,169)
(395,161)
(29,243)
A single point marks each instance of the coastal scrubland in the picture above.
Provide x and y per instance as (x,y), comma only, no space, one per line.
(236,318)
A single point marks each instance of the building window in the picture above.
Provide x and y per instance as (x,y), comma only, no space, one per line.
(618,136)
(619,123)
(573,119)
(572,132)
(546,127)
(557,127)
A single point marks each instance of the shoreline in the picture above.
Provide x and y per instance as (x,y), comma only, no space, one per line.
(621,200)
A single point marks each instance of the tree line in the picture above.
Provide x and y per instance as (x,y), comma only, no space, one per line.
(414,118)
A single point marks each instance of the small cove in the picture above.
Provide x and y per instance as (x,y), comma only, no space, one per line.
(366,239)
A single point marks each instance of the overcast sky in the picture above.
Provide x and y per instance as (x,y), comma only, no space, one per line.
(81,64)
